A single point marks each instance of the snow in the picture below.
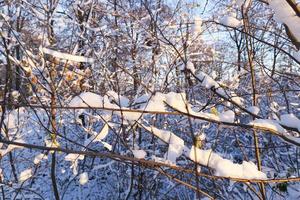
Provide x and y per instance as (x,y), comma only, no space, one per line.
(198,25)
(140,154)
(103,133)
(177,101)
(191,67)
(11,147)
(227,116)
(67,56)
(285,14)
(253,109)
(268,124)
(231,21)
(87,99)
(207,81)
(224,167)
(156,103)
(297,55)
(123,101)
(83,178)
(176,146)
(106,145)
(39,158)
(24,175)
(290,120)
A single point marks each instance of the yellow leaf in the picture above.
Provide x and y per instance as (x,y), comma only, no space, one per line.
(214,111)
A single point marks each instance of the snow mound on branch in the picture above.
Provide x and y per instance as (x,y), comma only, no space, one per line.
(227,116)
(67,56)
(119,99)
(268,124)
(83,178)
(139,154)
(87,99)
(253,109)
(224,167)
(284,13)
(290,120)
(231,21)
(207,81)
(24,175)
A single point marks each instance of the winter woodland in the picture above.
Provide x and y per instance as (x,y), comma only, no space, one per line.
(149,99)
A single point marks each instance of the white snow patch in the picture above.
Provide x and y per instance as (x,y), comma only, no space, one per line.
(24,175)
(285,14)
(231,21)
(268,124)
(87,99)
(39,158)
(191,67)
(253,109)
(140,154)
(224,167)
(83,178)
(227,116)
(197,25)
(67,56)
(290,120)
(103,133)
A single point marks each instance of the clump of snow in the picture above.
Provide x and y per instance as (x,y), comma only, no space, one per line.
(197,25)
(67,56)
(227,116)
(140,154)
(191,67)
(118,99)
(177,101)
(83,178)
(231,21)
(290,120)
(224,167)
(253,109)
(73,158)
(24,175)
(297,55)
(103,133)
(156,103)
(284,13)
(244,3)
(87,99)
(207,81)
(11,147)
(176,145)
(39,158)
(268,124)
(106,145)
